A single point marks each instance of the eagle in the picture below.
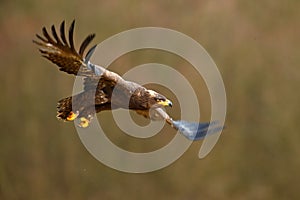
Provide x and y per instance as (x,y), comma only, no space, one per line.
(104,89)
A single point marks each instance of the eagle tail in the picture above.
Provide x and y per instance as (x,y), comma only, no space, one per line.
(64,109)
(67,110)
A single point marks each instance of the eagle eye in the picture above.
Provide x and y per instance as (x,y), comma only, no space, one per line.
(158,99)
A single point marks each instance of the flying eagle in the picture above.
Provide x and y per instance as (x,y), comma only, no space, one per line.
(103,89)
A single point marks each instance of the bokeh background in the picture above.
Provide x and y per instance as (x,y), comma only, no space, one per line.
(256,47)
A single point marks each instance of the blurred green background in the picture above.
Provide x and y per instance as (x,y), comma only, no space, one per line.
(256,46)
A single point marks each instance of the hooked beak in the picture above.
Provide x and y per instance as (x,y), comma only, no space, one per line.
(166,103)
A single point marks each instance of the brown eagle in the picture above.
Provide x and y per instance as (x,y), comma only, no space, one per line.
(103,89)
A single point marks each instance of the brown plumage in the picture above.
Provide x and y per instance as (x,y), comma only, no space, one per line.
(98,89)
(103,89)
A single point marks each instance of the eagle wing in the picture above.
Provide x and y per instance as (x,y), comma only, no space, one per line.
(62,52)
(98,82)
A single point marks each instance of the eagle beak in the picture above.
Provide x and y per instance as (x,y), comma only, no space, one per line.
(166,103)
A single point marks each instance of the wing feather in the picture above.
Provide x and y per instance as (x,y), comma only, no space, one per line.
(62,33)
(62,52)
(55,35)
(45,33)
(85,43)
(71,33)
(41,38)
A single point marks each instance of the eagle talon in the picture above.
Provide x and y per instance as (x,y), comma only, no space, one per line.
(72,116)
(84,122)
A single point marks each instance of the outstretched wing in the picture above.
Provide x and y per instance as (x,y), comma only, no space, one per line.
(62,52)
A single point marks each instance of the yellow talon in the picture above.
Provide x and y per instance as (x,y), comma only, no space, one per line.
(72,116)
(84,122)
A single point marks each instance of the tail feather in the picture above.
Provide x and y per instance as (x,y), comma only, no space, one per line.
(64,108)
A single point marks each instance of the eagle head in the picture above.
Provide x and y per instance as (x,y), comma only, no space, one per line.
(147,102)
(159,99)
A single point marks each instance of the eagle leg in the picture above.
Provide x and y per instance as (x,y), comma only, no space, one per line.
(84,122)
(72,116)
